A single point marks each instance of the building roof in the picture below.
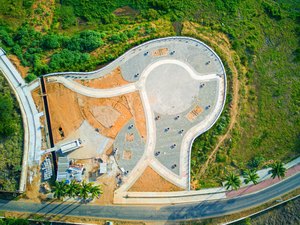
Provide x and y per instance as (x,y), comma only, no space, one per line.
(62,167)
(103,168)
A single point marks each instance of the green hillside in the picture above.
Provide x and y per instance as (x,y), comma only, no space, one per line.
(264,40)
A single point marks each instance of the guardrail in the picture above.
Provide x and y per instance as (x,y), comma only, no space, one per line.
(261,211)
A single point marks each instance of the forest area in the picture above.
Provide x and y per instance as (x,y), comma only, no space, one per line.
(264,38)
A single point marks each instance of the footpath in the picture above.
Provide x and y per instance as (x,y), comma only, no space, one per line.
(264,184)
(264,180)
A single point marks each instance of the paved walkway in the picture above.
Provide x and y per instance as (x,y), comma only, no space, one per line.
(93,92)
(30,115)
(170,213)
(148,158)
(262,185)
(124,197)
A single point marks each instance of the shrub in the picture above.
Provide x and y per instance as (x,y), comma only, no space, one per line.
(86,41)
(30,77)
(51,41)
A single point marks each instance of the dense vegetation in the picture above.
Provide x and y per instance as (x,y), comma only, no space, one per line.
(11,138)
(19,221)
(264,35)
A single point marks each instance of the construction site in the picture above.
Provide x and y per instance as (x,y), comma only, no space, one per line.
(129,126)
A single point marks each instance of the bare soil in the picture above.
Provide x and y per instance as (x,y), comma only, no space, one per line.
(160,52)
(69,109)
(110,80)
(136,108)
(38,99)
(32,189)
(17,63)
(194,113)
(151,181)
(108,184)
(39,103)
(64,110)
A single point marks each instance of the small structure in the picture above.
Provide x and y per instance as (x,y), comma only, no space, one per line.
(75,173)
(70,146)
(67,172)
(62,167)
(103,168)
(47,169)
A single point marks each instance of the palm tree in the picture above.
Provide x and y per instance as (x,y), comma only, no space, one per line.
(251,175)
(232,181)
(73,189)
(84,190)
(59,189)
(96,191)
(278,170)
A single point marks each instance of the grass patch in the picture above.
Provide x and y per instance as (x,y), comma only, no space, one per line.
(11,143)
(258,42)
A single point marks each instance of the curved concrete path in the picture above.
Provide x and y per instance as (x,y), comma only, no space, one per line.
(93,92)
(148,158)
(178,212)
(182,179)
(30,116)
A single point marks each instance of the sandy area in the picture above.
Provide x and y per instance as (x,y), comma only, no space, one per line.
(194,113)
(108,184)
(160,52)
(38,99)
(108,115)
(22,69)
(116,103)
(110,80)
(33,187)
(136,108)
(64,110)
(151,181)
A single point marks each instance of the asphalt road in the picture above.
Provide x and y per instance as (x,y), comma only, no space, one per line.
(145,213)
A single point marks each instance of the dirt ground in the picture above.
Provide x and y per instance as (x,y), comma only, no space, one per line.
(108,184)
(38,100)
(64,110)
(136,108)
(33,187)
(160,52)
(194,113)
(111,80)
(22,69)
(68,110)
(151,181)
